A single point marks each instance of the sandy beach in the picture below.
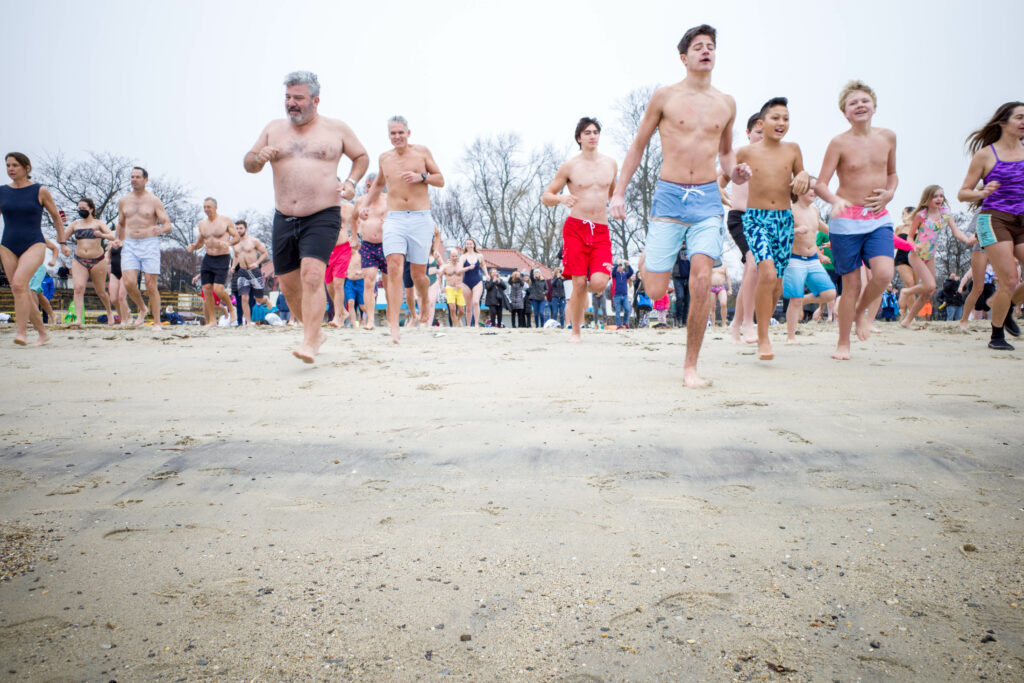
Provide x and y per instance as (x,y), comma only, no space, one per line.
(196,504)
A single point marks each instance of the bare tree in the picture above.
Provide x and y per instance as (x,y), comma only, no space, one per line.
(952,255)
(630,233)
(543,239)
(500,184)
(177,268)
(451,210)
(102,177)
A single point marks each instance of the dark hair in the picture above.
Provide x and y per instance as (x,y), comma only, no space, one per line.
(21,159)
(688,37)
(584,122)
(794,197)
(991,131)
(908,209)
(145,173)
(773,102)
(752,121)
(90,203)
(242,223)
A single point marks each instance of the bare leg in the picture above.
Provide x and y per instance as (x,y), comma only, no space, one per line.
(794,314)
(421,287)
(847,306)
(20,271)
(978,263)
(1004,256)
(411,319)
(79,277)
(209,308)
(130,279)
(369,297)
(881,276)
(225,298)
(924,289)
(337,286)
(119,297)
(44,304)
(153,291)
(394,293)
(304,290)
(766,297)
(98,274)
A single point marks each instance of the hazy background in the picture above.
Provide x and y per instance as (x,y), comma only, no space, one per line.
(184,88)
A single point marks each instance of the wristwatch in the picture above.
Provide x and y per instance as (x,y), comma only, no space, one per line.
(349,180)
(424,176)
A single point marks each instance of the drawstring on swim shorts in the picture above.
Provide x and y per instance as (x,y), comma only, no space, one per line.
(691,190)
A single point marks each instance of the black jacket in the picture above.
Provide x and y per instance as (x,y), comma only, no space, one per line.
(495,292)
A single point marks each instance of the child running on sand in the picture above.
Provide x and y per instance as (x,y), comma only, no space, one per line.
(864,157)
(805,269)
(777,167)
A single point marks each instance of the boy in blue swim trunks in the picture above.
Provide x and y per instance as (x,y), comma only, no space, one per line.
(777,169)
(694,121)
(805,269)
(860,228)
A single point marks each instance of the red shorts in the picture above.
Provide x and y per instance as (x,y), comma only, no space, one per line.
(586,248)
(337,265)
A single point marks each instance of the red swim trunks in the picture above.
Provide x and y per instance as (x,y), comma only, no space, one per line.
(337,265)
(586,248)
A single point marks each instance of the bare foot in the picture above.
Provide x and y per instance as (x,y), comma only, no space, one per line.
(157,327)
(307,353)
(875,330)
(368,328)
(20,341)
(750,339)
(141,318)
(764,350)
(336,323)
(842,352)
(73,326)
(906,323)
(792,342)
(734,330)
(574,336)
(964,326)
(863,326)
(395,336)
(44,338)
(692,381)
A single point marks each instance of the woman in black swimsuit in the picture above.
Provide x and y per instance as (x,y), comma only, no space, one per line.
(473,269)
(115,288)
(23,247)
(906,272)
(89,262)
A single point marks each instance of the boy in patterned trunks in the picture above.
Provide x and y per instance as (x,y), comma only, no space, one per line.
(777,168)
(860,229)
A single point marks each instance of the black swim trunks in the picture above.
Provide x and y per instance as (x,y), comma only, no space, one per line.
(735,223)
(214,270)
(298,237)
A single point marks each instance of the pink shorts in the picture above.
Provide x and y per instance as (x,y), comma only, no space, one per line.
(586,248)
(337,265)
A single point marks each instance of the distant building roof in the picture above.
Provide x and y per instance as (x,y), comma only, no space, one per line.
(512,259)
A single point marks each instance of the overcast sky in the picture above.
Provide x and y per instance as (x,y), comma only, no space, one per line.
(185,87)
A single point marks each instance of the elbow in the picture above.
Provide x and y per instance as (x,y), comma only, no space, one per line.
(440,180)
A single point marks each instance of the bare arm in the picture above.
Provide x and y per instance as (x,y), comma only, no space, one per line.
(975,172)
(960,234)
(828,169)
(434,176)
(54,248)
(46,199)
(355,151)
(261,152)
(198,243)
(235,237)
(727,155)
(163,219)
(121,221)
(553,194)
(262,251)
(914,225)
(648,124)
(801,180)
(373,194)
(882,196)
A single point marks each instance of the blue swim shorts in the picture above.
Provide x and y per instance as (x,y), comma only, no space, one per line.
(850,251)
(769,234)
(805,272)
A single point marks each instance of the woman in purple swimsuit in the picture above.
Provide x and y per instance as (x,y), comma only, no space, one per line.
(90,262)
(999,160)
(23,247)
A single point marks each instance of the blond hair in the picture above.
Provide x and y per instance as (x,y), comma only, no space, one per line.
(854,86)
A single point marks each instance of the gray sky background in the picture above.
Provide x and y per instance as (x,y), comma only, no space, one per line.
(184,88)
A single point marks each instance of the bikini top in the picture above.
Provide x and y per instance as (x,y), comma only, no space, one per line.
(85,234)
(1010,195)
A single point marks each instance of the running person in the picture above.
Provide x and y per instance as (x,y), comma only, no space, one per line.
(115,288)
(473,270)
(217,235)
(337,265)
(141,220)
(371,251)
(407,171)
(902,258)
(860,229)
(979,264)
(454,297)
(586,242)
(805,269)
(90,261)
(695,123)
(999,161)
(930,217)
(23,247)
(250,254)
(304,151)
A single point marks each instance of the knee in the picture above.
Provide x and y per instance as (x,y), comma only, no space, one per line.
(598,282)
(19,288)
(701,282)
(311,278)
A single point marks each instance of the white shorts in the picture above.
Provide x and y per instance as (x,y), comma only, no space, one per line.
(409,233)
(141,254)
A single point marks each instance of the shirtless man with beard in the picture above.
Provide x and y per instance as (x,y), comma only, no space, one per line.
(250,253)
(304,151)
(371,251)
(217,234)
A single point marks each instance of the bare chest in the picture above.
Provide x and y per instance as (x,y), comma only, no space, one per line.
(315,145)
(869,156)
(591,177)
(394,165)
(212,229)
(138,208)
(695,115)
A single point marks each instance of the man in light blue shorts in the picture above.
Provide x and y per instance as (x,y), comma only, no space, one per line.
(694,121)
(406,171)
